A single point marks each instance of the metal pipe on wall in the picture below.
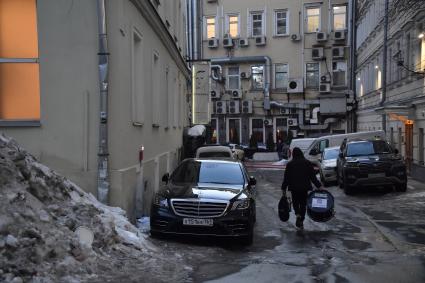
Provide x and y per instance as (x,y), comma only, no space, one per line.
(195,29)
(103,153)
(384,67)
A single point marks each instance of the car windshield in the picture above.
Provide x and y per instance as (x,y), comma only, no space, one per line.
(208,172)
(302,144)
(367,148)
(331,154)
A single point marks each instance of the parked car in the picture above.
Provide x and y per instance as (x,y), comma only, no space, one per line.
(370,162)
(318,145)
(328,165)
(237,150)
(302,144)
(206,197)
(215,151)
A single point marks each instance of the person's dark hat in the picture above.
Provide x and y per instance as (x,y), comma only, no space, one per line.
(297,153)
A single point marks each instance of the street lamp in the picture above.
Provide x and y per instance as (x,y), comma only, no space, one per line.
(421,35)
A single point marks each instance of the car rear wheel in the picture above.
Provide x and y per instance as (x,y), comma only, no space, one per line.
(401,187)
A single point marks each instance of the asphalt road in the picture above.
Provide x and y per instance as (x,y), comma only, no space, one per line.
(375,236)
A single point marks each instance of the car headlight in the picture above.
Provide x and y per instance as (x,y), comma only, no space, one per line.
(160,201)
(241,204)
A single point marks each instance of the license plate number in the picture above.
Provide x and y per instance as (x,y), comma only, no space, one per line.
(376,175)
(197,222)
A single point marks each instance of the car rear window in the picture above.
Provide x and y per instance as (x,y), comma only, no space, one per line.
(208,172)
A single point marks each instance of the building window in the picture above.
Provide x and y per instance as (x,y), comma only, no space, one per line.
(257,23)
(339,17)
(233,77)
(378,82)
(211,28)
(281,22)
(234,130)
(257,130)
(312,75)
(137,78)
(19,68)
(257,75)
(339,73)
(214,131)
(232,25)
(313,19)
(281,76)
(281,133)
(156,92)
(421,146)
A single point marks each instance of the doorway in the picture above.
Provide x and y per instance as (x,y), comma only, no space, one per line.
(409,145)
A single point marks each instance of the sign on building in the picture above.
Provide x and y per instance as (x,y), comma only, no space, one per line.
(201,93)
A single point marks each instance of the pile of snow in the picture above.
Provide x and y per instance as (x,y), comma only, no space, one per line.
(40,212)
(281,162)
(196,131)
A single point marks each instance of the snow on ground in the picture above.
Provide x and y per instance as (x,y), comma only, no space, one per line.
(39,214)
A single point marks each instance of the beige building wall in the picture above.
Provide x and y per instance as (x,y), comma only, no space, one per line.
(282,49)
(147,95)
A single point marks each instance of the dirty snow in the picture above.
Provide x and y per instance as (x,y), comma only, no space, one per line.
(39,214)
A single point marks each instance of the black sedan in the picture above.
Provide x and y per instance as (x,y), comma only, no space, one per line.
(206,197)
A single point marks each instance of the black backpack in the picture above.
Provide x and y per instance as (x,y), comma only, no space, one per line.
(284,207)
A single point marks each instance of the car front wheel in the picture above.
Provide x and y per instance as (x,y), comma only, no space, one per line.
(401,187)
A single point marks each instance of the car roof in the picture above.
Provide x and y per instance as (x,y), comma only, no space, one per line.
(358,140)
(215,160)
(218,148)
(332,148)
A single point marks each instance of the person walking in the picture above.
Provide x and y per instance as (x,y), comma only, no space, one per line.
(299,175)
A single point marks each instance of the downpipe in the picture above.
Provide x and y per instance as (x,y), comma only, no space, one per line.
(103,153)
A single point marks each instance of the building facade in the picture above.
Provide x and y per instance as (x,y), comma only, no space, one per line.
(86,84)
(279,68)
(390,86)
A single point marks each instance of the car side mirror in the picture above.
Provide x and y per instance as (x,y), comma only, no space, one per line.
(166,178)
(396,151)
(341,155)
(252,181)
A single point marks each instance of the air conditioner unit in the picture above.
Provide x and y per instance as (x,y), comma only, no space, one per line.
(227,42)
(324,87)
(215,94)
(213,43)
(220,107)
(339,34)
(236,93)
(295,37)
(243,42)
(317,53)
(292,122)
(245,75)
(338,52)
(295,85)
(247,106)
(234,107)
(268,122)
(261,40)
(284,111)
(325,78)
(321,36)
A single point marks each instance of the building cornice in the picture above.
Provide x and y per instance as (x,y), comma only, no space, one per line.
(151,15)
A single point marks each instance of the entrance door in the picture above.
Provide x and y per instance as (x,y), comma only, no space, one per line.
(409,145)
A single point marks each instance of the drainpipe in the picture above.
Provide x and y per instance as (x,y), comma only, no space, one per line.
(246,59)
(353,64)
(102,156)
(195,29)
(384,67)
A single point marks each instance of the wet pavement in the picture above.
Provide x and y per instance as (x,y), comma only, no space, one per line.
(375,236)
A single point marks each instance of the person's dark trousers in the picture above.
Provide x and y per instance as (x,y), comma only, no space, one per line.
(299,202)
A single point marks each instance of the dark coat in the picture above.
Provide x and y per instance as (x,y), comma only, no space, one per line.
(299,175)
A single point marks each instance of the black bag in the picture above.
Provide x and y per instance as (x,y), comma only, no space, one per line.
(320,205)
(284,207)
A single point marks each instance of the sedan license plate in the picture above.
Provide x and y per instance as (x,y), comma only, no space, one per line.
(197,222)
(376,175)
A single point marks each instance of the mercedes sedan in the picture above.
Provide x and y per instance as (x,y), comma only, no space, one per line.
(206,197)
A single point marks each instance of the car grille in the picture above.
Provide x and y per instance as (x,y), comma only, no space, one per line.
(198,208)
(374,167)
